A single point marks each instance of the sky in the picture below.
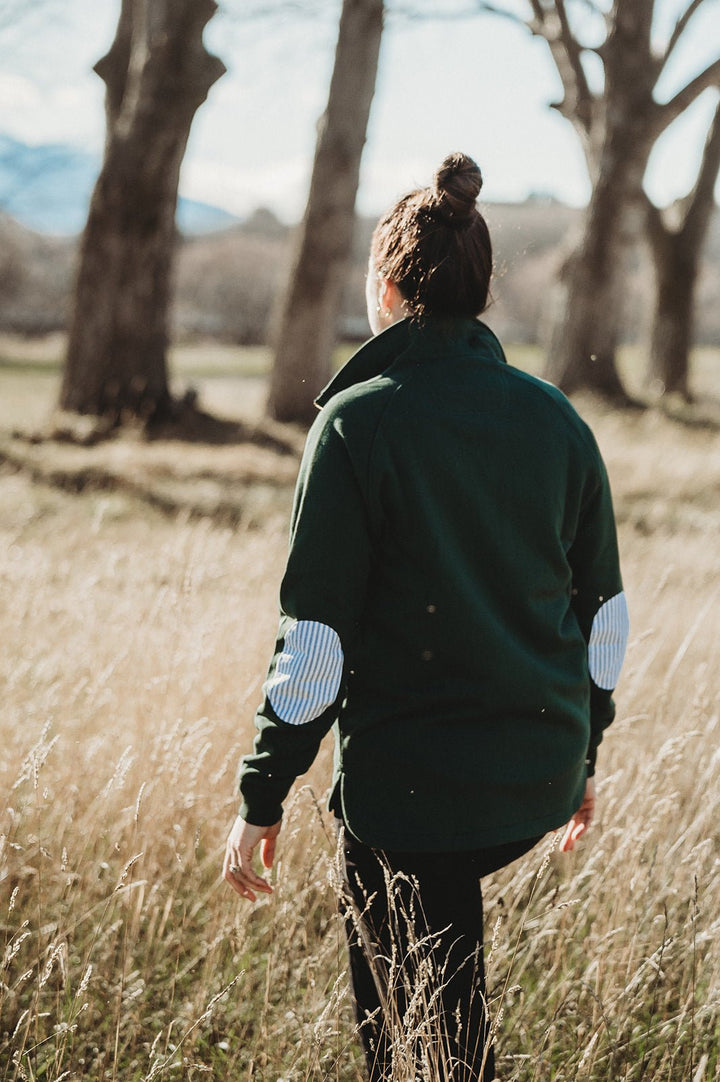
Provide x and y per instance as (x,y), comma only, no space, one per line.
(481,85)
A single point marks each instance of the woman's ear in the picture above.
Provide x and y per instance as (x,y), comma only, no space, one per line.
(390,300)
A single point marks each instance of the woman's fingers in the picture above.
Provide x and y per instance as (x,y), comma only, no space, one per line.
(238,868)
(581,820)
(248,873)
(267,851)
(243,884)
(241,876)
(240,888)
(573,831)
(568,842)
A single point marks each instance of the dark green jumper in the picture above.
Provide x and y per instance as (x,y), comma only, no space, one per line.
(452,600)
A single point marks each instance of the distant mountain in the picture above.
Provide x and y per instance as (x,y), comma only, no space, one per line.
(48,189)
(227,279)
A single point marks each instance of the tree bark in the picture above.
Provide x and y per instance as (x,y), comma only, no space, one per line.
(308,322)
(586,330)
(676,254)
(671,335)
(157,74)
(582,347)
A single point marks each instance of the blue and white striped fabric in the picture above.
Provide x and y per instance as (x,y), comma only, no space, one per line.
(608,638)
(308,672)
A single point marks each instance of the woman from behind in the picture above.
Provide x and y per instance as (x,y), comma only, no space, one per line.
(452,605)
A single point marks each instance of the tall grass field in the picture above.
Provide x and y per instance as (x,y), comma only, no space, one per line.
(136,632)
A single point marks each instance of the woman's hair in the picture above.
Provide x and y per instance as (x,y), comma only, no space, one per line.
(435,246)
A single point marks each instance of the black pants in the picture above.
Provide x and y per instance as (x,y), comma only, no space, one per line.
(414,925)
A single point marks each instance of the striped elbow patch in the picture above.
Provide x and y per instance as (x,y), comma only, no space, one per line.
(608,638)
(308,673)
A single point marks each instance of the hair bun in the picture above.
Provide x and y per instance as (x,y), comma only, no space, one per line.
(456,186)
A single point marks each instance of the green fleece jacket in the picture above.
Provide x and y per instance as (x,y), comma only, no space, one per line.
(452,601)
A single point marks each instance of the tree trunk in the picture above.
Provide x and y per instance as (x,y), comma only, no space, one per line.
(586,330)
(671,336)
(582,348)
(676,257)
(157,74)
(308,323)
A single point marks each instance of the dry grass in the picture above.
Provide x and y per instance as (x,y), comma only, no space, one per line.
(134,644)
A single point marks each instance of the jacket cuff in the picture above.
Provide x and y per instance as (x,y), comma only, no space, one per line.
(260,814)
(602,713)
(261,796)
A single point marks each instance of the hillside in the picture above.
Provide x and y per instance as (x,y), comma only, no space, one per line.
(227,280)
(47,188)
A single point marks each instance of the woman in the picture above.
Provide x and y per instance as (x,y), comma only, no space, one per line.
(453,605)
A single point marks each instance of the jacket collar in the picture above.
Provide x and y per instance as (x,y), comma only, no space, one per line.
(376,355)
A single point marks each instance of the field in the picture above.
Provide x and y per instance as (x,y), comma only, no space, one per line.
(137,612)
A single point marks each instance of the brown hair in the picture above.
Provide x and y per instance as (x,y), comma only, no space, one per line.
(435,246)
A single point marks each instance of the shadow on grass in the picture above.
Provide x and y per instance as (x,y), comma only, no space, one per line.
(162,464)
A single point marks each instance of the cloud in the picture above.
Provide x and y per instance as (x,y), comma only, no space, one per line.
(240,189)
(35,113)
(19,98)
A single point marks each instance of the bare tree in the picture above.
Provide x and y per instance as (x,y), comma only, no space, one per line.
(618,128)
(618,125)
(676,248)
(307,324)
(157,74)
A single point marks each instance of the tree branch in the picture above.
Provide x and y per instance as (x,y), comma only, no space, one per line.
(573,50)
(679,30)
(697,206)
(655,227)
(567,52)
(469,11)
(261,9)
(684,98)
(701,200)
(493,9)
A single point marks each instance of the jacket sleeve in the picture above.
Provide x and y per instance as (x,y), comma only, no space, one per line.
(599,601)
(321,599)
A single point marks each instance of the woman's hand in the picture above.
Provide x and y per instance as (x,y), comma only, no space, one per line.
(581,820)
(237,866)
